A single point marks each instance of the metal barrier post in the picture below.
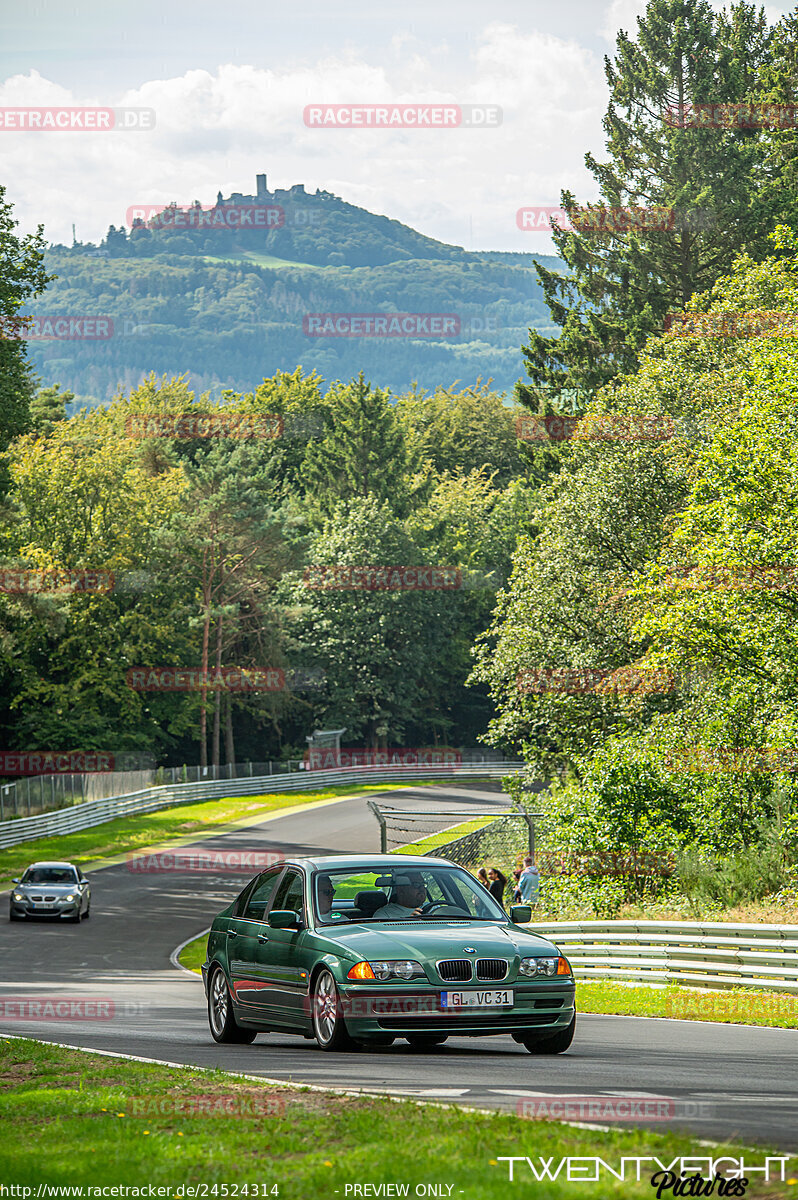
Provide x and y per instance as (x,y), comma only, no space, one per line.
(383,827)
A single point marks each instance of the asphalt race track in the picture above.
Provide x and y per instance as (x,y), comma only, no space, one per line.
(736,1083)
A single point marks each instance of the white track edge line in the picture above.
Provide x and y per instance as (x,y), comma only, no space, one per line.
(173,957)
(319,1087)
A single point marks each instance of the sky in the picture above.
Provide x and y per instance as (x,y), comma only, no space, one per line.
(229,84)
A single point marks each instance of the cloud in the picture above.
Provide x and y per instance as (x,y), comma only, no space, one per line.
(216,129)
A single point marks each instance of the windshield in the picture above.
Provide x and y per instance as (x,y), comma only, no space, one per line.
(49,875)
(401,894)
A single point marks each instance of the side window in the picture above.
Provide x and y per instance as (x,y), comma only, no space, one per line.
(258,900)
(290,894)
(241,901)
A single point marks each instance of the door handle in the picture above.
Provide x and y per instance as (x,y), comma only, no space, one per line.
(232,933)
(263,937)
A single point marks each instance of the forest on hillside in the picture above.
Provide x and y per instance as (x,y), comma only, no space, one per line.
(624,535)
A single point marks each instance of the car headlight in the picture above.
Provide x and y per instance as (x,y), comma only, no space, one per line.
(401,968)
(544,966)
(18,896)
(68,898)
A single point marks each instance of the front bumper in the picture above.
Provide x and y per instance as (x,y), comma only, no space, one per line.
(35,911)
(402,1010)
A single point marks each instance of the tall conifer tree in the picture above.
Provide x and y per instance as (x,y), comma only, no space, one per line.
(620,284)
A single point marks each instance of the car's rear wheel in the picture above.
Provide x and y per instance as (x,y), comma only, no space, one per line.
(426,1041)
(328,1021)
(556,1044)
(224,1027)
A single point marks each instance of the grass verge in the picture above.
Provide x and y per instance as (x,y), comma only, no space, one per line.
(740,1006)
(74,1119)
(442,837)
(192,955)
(148,829)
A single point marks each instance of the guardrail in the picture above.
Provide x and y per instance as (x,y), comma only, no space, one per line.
(96,812)
(706,954)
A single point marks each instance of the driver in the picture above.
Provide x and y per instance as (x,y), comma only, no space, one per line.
(409,894)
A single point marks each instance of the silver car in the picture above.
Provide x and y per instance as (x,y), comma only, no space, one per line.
(51,889)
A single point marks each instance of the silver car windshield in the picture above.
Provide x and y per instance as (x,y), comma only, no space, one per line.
(49,875)
(382,894)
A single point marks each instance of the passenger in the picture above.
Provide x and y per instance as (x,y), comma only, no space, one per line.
(325,892)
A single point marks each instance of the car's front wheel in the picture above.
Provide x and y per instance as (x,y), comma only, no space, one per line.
(224,1027)
(328,1020)
(552,1045)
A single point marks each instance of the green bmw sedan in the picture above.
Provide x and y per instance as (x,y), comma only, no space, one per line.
(367,948)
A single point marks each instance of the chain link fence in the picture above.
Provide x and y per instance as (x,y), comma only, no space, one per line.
(471,839)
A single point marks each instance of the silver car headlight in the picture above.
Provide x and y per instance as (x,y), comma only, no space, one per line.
(539,966)
(401,968)
(18,896)
(68,898)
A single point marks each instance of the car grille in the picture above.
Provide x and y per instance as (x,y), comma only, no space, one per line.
(491,968)
(455,970)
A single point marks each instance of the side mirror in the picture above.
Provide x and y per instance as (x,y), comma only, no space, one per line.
(283,918)
(520,914)
(15,881)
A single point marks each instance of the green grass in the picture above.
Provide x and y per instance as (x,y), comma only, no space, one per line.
(424,845)
(261,260)
(738,1006)
(79,1120)
(192,956)
(148,829)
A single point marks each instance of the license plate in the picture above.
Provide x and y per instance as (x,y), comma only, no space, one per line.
(44,906)
(490,999)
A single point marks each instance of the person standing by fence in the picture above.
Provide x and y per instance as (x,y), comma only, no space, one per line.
(528,891)
(498,883)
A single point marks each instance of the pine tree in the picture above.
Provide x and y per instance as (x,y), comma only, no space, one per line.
(22,276)
(620,284)
(362,454)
